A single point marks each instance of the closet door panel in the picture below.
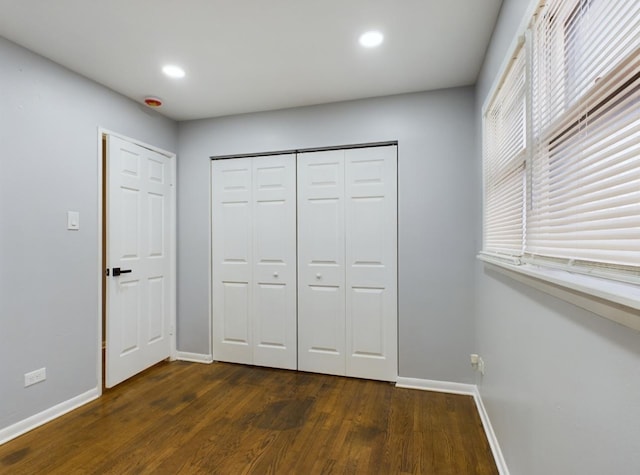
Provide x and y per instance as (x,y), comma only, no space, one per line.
(274,261)
(371,262)
(231,259)
(321,275)
(367,316)
(235,314)
(324,330)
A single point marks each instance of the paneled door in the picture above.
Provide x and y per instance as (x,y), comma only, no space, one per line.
(274,262)
(140,288)
(232,260)
(254,260)
(347,262)
(371,262)
(321,262)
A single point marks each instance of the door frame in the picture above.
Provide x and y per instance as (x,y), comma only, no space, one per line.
(102,296)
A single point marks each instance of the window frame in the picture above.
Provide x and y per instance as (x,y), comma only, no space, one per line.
(608,291)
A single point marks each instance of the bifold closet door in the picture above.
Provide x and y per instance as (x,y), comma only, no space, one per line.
(347,262)
(274,262)
(321,271)
(254,260)
(371,262)
(232,259)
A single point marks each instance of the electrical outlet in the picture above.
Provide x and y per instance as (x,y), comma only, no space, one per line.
(474,359)
(35,377)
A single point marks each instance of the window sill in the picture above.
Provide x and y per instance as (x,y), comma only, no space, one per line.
(616,301)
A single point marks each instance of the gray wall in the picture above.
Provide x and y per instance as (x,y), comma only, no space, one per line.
(435,137)
(562,385)
(49,277)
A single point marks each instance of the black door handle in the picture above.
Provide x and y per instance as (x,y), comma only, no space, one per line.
(117,271)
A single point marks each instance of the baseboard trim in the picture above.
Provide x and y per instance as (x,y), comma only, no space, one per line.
(491,435)
(438,386)
(30,423)
(193,357)
(467,390)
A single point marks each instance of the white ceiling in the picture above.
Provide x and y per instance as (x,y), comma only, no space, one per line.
(252,55)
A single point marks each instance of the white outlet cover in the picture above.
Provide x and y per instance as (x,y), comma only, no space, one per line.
(34,377)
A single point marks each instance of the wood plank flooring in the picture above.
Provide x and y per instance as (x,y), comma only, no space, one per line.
(188,418)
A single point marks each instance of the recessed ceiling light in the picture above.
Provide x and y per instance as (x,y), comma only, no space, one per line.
(371,39)
(173,71)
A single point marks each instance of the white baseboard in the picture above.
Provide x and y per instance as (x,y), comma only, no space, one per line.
(30,423)
(194,357)
(438,386)
(491,435)
(467,390)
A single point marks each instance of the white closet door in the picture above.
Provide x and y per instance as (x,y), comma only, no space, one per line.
(371,263)
(232,259)
(321,272)
(274,262)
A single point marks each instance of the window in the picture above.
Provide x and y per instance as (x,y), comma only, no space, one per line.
(505,151)
(579,169)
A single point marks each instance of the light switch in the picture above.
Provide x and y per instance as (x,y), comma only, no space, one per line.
(73,220)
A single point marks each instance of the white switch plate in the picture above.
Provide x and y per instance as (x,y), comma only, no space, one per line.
(73,220)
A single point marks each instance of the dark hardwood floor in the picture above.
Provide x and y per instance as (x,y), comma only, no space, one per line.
(184,418)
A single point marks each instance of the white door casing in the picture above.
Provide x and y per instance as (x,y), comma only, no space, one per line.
(140,217)
(254,260)
(321,254)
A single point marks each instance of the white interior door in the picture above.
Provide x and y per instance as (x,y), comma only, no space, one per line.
(321,254)
(232,259)
(274,262)
(140,206)
(371,262)
(254,260)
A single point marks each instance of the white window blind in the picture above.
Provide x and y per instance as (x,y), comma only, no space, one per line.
(504,163)
(585,172)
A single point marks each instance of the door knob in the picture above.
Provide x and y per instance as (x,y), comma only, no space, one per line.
(275,274)
(318,275)
(117,271)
